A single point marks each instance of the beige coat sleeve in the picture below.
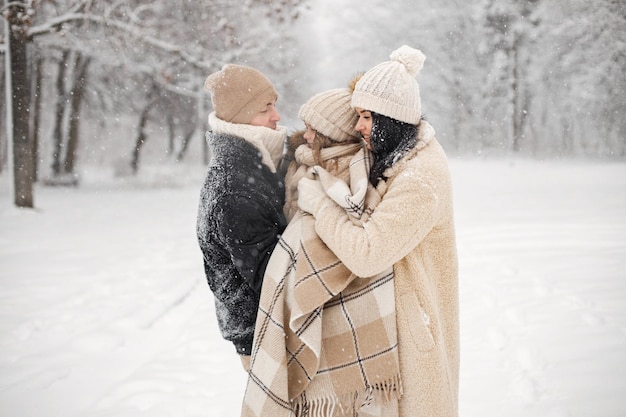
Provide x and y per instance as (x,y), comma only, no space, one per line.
(407,213)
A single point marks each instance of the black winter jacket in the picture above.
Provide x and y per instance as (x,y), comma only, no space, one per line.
(240,218)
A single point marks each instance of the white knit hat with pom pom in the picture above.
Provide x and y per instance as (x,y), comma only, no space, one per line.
(390,88)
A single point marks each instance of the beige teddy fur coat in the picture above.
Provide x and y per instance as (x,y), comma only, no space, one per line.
(412,229)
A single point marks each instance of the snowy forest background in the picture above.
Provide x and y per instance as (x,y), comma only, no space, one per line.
(115,87)
(104,307)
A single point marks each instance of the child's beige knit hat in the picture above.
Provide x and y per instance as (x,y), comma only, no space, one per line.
(390,88)
(330,114)
(238,93)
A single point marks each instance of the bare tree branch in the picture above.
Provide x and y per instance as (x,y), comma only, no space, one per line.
(54,24)
(14,4)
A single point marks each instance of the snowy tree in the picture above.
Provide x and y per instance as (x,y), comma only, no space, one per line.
(3,90)
(508,30)
(19,17)
(541,77)
(133,56)
(450,92)
(583,79)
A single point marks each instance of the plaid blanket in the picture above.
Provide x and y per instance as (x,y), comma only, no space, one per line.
(324,338)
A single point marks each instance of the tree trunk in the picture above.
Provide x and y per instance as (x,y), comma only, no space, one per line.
(171,146)
(36,113)
(152,98)
(76,97)
(57,133)
(184,145)
(23,161)
(567,140)
(523,115)
(3,103)
(515,97)
(141,137)
(189,126)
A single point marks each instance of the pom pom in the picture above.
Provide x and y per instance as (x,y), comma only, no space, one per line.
(413,59)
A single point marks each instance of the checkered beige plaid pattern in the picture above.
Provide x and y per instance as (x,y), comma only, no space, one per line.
(324,338)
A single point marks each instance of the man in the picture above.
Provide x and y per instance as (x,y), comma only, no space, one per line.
(240,215)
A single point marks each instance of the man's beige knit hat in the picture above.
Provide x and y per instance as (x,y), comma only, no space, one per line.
(390,88)
(330,114)
(238,93)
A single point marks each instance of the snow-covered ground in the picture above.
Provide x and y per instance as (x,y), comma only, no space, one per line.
(104,310)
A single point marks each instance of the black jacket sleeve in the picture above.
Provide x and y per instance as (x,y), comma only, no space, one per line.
(249,231)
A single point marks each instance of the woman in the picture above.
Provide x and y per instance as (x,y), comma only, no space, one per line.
(325,341)
(411,230)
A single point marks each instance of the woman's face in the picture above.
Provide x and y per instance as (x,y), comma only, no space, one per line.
(309,135)
(364,125)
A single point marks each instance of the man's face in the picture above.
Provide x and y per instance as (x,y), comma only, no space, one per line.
(268,116)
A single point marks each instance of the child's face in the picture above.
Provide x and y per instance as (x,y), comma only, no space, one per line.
(309,135)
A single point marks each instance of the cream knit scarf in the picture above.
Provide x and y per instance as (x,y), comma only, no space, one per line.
(268,141)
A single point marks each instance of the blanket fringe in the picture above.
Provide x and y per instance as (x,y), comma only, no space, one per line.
(379,393)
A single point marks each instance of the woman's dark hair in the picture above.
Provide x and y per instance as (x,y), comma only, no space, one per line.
(390,140)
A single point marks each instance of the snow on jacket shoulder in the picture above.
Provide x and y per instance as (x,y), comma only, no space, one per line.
(240,218)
